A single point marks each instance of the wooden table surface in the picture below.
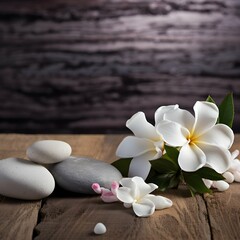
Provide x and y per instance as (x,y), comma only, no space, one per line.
(64,215)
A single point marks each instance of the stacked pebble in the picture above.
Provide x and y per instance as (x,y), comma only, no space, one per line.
(32,180)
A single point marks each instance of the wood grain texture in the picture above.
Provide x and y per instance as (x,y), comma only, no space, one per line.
(66,215)
(223,209)
(75,218)
(72,218)
(224,213)
(18,218)
(87,66)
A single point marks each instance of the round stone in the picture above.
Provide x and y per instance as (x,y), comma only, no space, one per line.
(100,228)
(23,179)
(229,177)
(77,174)
(49,151)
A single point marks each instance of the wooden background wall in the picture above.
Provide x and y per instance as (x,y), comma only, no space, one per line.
(86,66)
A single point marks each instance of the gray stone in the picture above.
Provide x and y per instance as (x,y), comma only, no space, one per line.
(77,174)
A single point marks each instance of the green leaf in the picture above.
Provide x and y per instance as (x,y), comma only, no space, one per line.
(174,181)
(172,153)
(165,172)
(152,174)
(162,181)
(195,183)
(163,165)
(226,110)
(122,165)
(209,173)
(210,99)
(166,181)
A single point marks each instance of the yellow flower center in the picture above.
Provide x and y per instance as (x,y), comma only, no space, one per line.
(192,139)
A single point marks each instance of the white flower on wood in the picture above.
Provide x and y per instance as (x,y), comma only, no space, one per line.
(146,145)
(136,193)
(202,142)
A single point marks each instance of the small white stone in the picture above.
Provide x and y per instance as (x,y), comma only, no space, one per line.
(49,151)
(229,178)
(237,176)
(207,182)
(100,229)
(221,185)
(24,179)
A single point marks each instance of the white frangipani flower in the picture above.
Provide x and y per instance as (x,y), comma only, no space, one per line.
(201,141)
(233,173)
(135,193)
(146,145)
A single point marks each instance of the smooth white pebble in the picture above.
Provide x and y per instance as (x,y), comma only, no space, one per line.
(100,228)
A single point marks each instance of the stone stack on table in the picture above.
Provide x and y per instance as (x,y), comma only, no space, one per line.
(70,216)
(29,180)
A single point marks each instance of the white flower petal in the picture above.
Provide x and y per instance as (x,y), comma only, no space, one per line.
(235,154)
(151,155)
(173,133)
(182,117)
(217,157)
(229,177)
(235,165)
(220,135)
(124,194)
(132,146)
(127,205)
(139,167)
(159,201)
(191,158)
(236,176)
(128,183)
(159,146)
(143,208)
(141,127)
(206,115)
(159,114)
(143,188)
(221,185)
(208,183)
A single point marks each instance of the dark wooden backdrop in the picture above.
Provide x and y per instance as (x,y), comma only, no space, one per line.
(87,66)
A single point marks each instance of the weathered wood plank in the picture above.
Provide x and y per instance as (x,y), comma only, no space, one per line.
(75,217)
(92,111)
(18,218)
(87,66)
(71,216)
(224,213)
(223,209)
